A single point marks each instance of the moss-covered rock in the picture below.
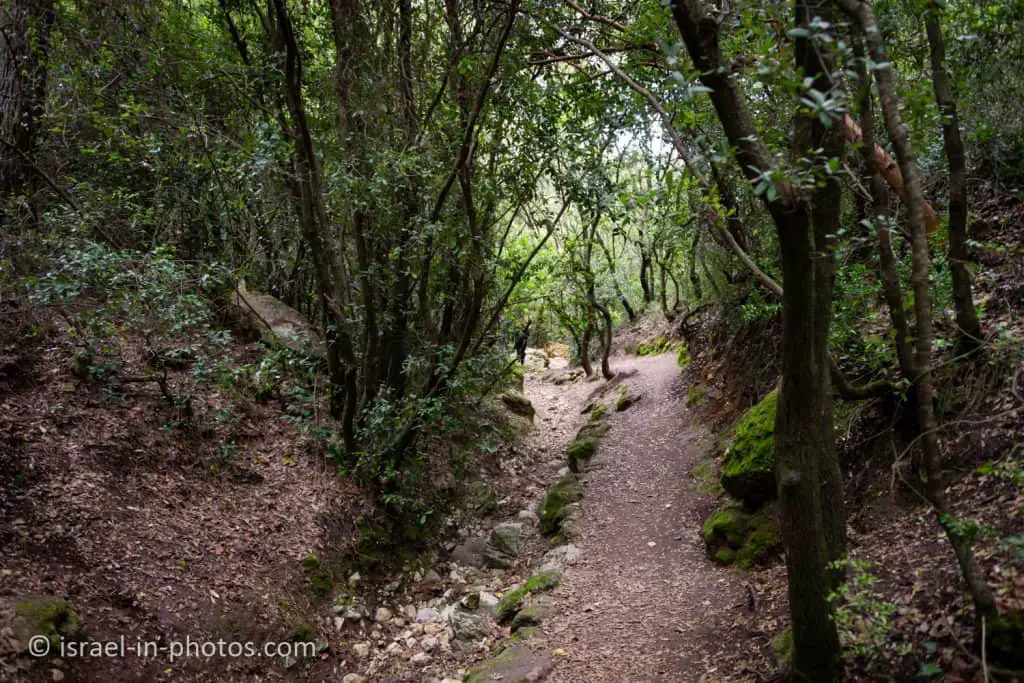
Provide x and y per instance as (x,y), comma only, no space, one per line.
(625,399)
(653,347)
(515,664)
(735,536)
(597,414)
(533,614)
(561,494)
(580,452)
(748,468)
(511,601)
(480,498)
(48,616)
(782,648)
(518,403)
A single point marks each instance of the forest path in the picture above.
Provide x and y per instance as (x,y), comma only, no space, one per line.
(644,603)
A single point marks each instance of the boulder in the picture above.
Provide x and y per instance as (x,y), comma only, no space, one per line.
(518,403)
(505,543)
(733,535)
(275,321)
(470,553)
(517,663)
(466,625)
(552,511)
(748,467)
(537,611)
(558,558)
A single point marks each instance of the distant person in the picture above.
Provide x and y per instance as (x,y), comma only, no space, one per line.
(521,340)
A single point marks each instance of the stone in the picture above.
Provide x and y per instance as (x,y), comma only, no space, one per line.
(734,535)
(552,511)
(516,663)
(415,630)
(430,643)
(559,557)
(339,623)
(410,642)
(538,610)
(383,615)
(393,649)
(488,604)
(56,675)
(354,678)
(748,467)
(505,543)
(354,579)
(470,553)
(427,615)
(432,576)
(420,658)
(528,516)
(518,404)
(432,629)
(361,650)
(467,625)
(409,612)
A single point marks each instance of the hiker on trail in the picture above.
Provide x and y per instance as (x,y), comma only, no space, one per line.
(521,339)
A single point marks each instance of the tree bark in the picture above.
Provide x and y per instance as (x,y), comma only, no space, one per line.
(25,26)
(810,502)
(981,594)
(966,315)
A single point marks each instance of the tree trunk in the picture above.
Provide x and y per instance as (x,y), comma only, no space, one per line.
(810,490)
(25,25)
(606,346)
(981,593)
(966,315)
(881,220)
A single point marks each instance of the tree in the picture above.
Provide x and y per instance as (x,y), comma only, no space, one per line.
(809,482)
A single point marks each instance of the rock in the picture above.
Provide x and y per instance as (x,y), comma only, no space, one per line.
(466,625)
(420,658)
(533,614)
(409,611)
(511,601)
(733,535)
(339,623)
(528,516)
(432,576)
(354,579)
(480,498)
(748,467)
(56,675)
(361,650)
(488,604)
(552,511)
(503,548)
(410,642)
(426,615)
(536,359)
(383,615)
(275,321)
(354,678)
(558,558)
(516,663)
(430,643)
(398,622)
(432,629)
(518,404)
(470,553)
(626,400)
(393,649)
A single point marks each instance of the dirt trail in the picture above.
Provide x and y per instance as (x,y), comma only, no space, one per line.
(645,603)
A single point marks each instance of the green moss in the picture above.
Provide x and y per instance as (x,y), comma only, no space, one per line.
(319,579)
(682,356)
(747,471)
(561,494)
(592,430)
(732,535)
(538,583)
(727,524)
(763,538)
(581,450)
(782,648)
(653,347)
(598,412)
(48,616)
(724,556)
(304,633)
(695,395)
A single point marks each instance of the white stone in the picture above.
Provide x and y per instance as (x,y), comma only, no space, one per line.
(361,650)
(383,614)
(427,615)
(354,678)
(420,658)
